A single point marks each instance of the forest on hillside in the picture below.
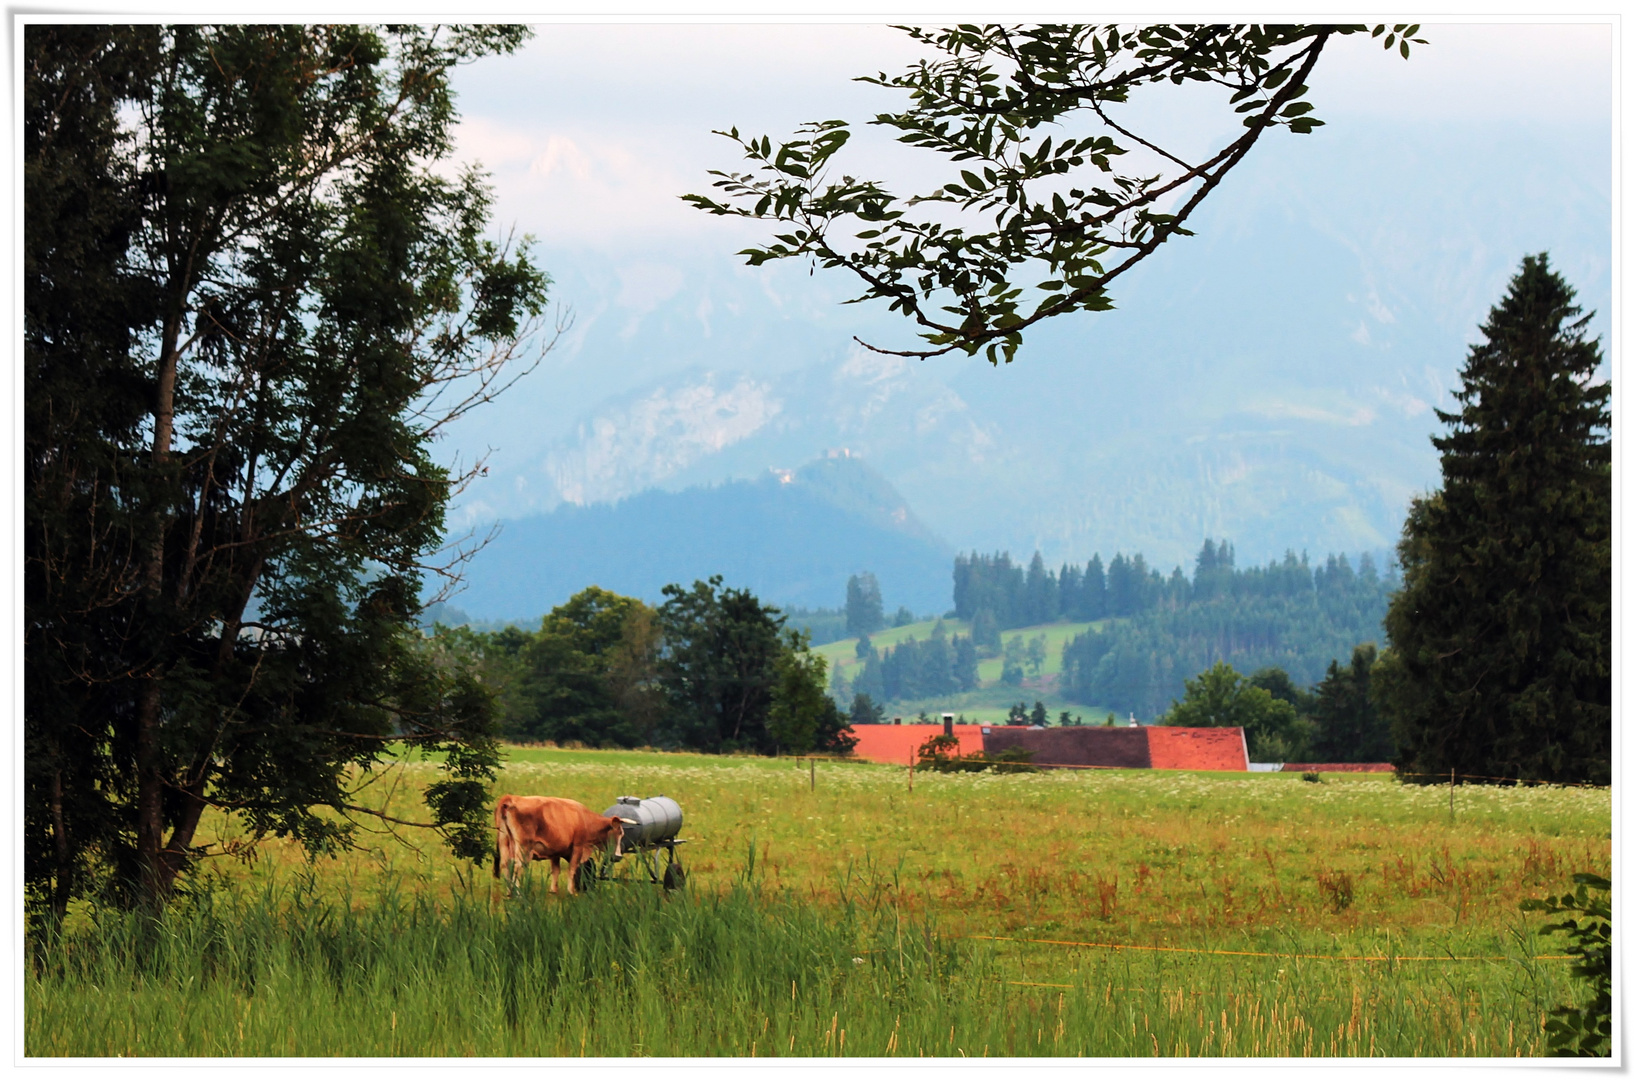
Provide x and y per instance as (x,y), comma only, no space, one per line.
(1155,631)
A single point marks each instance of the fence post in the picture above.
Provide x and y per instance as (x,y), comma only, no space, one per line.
(813,762)
(910,772)
(1451,785)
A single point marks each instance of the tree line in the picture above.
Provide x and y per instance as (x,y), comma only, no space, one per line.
(916,669)
(1337,720)
(1287,615)
(711,668)
(994,592)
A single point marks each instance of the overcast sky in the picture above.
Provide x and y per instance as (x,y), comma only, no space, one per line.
(592,131)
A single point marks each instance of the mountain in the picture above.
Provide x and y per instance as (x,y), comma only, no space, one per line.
(791,536)
(1271,380)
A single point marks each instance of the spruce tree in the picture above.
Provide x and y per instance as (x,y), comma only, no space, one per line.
(864,609)
(1500,659)
(1348,724)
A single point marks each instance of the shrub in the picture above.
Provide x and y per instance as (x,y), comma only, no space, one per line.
(1583,1031)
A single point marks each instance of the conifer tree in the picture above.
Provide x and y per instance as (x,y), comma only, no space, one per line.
(1500,659)
(1348,724)
(864,609)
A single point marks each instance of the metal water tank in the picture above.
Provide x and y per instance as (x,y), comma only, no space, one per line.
(647,821)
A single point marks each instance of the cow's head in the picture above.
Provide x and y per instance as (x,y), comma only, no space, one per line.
(615,829)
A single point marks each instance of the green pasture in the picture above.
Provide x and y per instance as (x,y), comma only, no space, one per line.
(844,653)
(1104,913)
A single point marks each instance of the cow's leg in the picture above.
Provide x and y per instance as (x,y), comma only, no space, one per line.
(556,872)
(575,861)
(521,856)
(505,862)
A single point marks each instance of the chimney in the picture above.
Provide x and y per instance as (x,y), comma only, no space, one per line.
(947,723)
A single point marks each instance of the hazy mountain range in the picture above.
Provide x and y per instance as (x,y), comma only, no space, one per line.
(791,536)
(1270,381)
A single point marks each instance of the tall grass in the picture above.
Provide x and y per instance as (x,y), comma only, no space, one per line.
(745,970)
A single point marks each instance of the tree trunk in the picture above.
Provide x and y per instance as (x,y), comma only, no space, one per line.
(63,887)
(155,878)
(154,884)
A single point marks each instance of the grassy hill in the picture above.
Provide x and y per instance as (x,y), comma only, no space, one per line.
(991,701)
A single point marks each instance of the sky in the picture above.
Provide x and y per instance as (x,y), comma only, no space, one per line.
(593,131)
(1433,176)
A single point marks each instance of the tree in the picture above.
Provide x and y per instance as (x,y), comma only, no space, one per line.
(904,617)
(631,674)
(1348,724)
(1040,716)
(1039,245)
(798,699)
(1280,685)
(1500,636)
(1043,593)
(1037,652)
(965,663)
(1219,697)
(803,718)
(864,711)
(589,674)
(864,609)
(252,300)
(984,632)
(719,666)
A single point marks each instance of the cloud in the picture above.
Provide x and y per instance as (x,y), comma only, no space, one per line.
(1358,417)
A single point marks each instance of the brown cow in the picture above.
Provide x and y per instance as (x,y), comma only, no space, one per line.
(539,826)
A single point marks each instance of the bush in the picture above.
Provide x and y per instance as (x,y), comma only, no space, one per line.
(1585,1031)
(941,754)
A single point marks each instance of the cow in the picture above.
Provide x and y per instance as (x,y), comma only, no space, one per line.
(530,827)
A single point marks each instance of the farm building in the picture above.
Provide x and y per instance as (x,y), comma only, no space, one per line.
(1221,749)
(898,744)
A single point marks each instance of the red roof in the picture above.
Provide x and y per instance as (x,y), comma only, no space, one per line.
(1198,748)
(898,744)
(1164,747)
(1099,747)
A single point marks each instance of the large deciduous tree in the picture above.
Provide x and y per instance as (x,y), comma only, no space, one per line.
(252,300)
(718,668)
(1029,224)
(1220,697)
(1500,637)
(589,674)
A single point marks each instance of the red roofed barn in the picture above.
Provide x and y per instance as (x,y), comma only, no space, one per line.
(1222,749)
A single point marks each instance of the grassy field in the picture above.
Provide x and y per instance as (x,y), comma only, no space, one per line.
(1106,913)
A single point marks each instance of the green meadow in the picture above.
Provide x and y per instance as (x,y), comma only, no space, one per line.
(1105,913)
